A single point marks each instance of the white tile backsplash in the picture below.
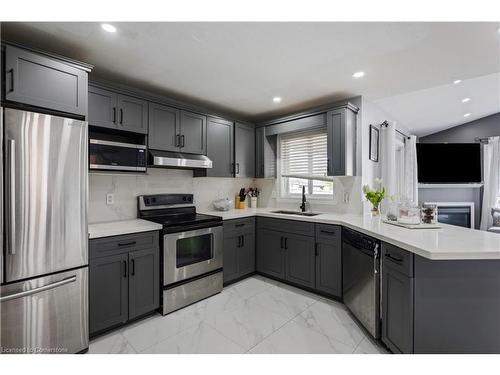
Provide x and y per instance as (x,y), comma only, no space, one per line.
(126,188)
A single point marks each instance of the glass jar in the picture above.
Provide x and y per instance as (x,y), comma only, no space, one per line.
(429,213)
(408,213)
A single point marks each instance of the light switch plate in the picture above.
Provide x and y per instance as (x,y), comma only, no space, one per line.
(110,199)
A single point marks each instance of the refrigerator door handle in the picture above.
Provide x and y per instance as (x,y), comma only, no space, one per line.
(12,196)
(38,290)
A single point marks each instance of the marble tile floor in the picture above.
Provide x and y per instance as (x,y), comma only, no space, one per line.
(256,315)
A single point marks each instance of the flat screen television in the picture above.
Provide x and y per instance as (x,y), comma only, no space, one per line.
(449,163)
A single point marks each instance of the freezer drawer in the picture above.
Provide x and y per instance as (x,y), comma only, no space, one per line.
(45,315)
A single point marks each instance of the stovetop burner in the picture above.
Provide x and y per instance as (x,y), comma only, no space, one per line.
(174,211)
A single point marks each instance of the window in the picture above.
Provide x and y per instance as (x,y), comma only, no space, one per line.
(303,162)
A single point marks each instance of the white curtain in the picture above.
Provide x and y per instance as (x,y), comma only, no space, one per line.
(491,172)
(388,158)
(410,170)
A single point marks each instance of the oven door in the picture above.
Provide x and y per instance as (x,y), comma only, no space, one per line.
(192,253)
(116,156)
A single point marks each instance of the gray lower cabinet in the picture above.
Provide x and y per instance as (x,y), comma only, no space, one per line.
(108,109)
(244,144)
(397,307)
(144,282)
(124,279)
(285,250)
(220,147)
(329,259)
(164,127)
(193,133)
(43,81)
(300,260)
(397,299)
(239,248)
(270,254)
(108,292)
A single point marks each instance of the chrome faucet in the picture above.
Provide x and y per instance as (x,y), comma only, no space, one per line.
(303,205)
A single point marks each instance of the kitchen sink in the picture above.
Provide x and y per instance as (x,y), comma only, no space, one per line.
(294,213)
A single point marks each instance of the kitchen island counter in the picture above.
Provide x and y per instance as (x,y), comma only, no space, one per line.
(447,243)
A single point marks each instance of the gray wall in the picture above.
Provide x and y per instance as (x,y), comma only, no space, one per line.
(483,128)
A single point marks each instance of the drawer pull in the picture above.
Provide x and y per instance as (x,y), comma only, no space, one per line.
(127,243)
(239,225)
(329,232)
(394,259)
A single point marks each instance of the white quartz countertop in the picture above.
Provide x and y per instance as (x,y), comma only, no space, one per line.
(448,243)
(116,228)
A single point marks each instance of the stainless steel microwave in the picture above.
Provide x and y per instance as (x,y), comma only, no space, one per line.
(116,156)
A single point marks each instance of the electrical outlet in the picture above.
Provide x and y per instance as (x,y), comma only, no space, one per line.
(346,197)
(110,199)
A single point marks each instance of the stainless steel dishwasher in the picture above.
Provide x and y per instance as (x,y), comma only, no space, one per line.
(361,282)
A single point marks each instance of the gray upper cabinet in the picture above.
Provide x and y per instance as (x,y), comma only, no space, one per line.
(220,147)
(42,81)
(193,133)
(102,108)
(341,133)
(108,109)
(265,154)
(244,140)
(164,127)
(132,114)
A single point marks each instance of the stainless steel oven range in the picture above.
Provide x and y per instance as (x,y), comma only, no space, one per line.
(191,250)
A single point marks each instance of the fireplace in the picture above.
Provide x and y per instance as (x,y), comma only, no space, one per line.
(456,213)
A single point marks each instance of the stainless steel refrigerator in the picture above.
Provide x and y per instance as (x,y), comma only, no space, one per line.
(44,262)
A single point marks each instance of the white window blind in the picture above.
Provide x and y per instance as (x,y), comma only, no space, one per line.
(303,161)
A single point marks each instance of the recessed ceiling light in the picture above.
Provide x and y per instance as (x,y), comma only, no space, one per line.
(358,74)
(465,100)
(109,28)
(467,115)
(498,30)
(457,81)
(277,99)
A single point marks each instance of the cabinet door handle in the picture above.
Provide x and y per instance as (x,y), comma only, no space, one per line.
(11,72)
(125,269)
(329,167)
(121,116)
(127,243)
(133,267)
(114,115)
(182,140)
(329,232)
(286,243)
(177,141)
(316,252)
(394,259)
(242,241)
(281,243)
(237,168)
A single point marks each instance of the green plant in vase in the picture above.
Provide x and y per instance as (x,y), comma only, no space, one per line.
(375,196)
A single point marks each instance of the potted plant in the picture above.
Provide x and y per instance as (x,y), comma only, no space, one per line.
(375,196)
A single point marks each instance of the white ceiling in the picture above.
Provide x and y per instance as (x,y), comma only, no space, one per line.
(240,67)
